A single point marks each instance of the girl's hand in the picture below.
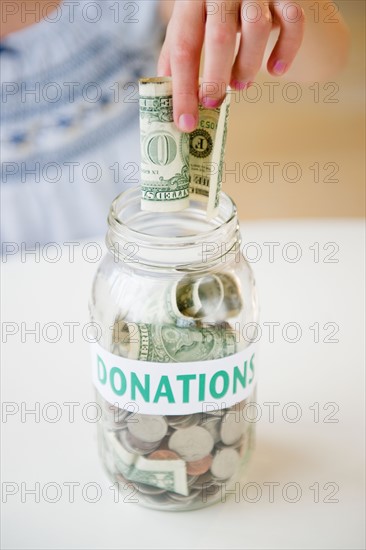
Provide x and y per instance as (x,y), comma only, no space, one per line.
(217,23)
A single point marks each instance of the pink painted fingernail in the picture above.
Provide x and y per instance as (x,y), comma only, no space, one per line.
(187,123)
(240,85)
(279,67)
(210,102)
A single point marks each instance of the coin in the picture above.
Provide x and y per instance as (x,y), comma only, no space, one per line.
(199,467)
(181,498)
(191,480)
(134,445)
(148,428)
(184,421)
(225,463)
(164,455)
(232,428)
(148,489)
(191,443)
(213,425)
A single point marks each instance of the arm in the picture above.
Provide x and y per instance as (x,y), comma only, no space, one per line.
(307,45)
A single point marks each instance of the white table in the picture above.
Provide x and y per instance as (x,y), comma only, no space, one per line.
(311,452)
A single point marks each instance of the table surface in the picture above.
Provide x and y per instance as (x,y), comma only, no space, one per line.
(304,487)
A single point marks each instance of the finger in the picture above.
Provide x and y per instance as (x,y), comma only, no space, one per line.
(185,40)
(291,18)
(256,25)
(164,68)
(220,41)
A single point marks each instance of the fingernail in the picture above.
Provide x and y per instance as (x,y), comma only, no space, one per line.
(240,85)
(210,102)
(279,67)
(187,123)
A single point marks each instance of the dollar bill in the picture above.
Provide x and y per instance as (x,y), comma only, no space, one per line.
(196,297)
(207,149)
(164,150)
(169,475)
(168,343)
(216,297)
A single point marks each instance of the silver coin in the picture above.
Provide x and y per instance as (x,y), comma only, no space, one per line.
(176,420)
(232,428)
(148,489)
(225,464)
(181,498)
(204,480)
(217,412)
(148,428)
(214,492)
(184,421)
(191,443)
(191,480)
(213,425)
(134,445)
(237,445)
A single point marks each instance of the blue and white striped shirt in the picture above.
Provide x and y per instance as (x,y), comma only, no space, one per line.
(69,117)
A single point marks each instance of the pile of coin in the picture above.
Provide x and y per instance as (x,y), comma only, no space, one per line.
(175,462)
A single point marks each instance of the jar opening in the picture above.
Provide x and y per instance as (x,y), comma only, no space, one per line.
(184,235)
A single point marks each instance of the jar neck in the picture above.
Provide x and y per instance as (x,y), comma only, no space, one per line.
(171,241)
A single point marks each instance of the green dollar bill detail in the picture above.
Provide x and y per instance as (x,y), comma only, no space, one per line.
(167,343)
(207,149)
(170,475)
(164,150)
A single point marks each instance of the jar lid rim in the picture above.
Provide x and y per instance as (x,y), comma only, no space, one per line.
(133,194)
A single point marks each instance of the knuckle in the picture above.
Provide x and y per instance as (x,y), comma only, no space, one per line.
(263,23)
(183,51)
(220,36)
(293,13)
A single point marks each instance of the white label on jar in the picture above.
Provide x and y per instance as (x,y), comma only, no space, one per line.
(174,388)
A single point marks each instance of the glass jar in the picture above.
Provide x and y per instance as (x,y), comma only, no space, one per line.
(174,367)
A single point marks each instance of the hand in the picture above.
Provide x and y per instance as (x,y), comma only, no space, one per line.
(217,23)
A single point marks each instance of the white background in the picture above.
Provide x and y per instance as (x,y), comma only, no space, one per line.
(304,452)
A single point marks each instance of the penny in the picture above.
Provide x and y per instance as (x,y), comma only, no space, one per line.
(164,455)
(199,467)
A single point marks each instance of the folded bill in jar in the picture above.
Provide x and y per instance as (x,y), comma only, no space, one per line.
(170,475)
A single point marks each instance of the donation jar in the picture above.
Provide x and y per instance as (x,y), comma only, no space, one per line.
(175,365)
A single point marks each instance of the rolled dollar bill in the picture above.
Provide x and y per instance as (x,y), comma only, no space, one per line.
(196,298)
(167,343)
(164,150)
(207,149)
(216,297)
(232,302)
